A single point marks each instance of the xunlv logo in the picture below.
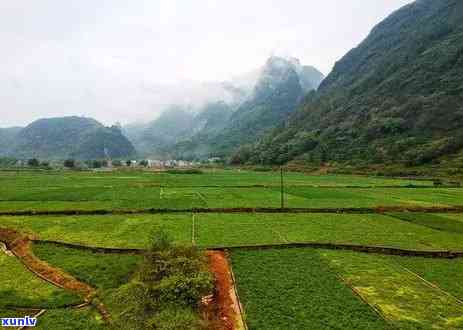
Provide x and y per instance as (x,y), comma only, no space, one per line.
(19,321)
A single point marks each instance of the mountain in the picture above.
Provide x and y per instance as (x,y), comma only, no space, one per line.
(281,86)
(70,137)
(7,139)
(164,137)
(397,97)
(261,100)
(210,122)
(156,138)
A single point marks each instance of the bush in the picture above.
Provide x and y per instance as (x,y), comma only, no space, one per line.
(174,318)
(166,292)
(33,162)
(70,163)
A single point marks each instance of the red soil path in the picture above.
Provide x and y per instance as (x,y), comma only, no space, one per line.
(227,304)
(20,245)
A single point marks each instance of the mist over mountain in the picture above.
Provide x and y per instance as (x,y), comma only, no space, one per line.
(262,99)
(397,97)
(68,137)
(8,138)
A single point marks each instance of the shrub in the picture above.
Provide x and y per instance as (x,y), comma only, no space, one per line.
(174,318)
(33,162)
(70,163)
(167,290)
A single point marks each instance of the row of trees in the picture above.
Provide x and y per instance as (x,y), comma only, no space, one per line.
(72,163)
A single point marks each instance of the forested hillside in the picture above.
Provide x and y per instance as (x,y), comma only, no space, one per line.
(397,97)
(70,137)
(280,88)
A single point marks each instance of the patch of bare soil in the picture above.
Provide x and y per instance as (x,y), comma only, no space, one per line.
(225,297)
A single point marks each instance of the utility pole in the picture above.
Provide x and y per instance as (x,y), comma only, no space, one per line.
(281,189)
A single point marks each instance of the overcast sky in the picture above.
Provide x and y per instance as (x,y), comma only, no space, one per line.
(122,60)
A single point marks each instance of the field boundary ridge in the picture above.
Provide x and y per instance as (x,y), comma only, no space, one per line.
(374,249)
(385,250)
(348,210)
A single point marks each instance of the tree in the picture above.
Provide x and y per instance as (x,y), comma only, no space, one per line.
(33,162)
(96,164)
(70,163)
(128,163)
(144,163)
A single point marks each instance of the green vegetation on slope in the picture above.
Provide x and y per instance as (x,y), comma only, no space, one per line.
(396,98)
(166,292)
(70,137)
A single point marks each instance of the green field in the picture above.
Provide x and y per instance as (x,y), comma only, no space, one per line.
(213,189)
(296,289)
(133,231)
(274,286)
(101,271)
(280,289)
(20,288)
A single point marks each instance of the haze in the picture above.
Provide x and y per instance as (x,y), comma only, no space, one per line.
(124,61)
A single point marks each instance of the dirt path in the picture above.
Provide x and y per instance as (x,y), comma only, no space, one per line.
(20,245)
(228,306)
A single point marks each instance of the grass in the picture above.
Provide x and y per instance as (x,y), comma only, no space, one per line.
(105,231)
(133,231)
(452,223)
(307,288)
(296,289)
(77,319)
(367,229)
(373,197)
(446,274)
(171,197)
(131,189)
(13,313)
(403,298)
(102,271)
(21,288)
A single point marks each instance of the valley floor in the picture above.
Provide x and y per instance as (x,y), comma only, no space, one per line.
(394,261)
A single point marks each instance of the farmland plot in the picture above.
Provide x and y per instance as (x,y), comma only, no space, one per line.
(20,288)
(296,289)
(288,287)
(367,229)
(122,231)
(216,229)
(402,297)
